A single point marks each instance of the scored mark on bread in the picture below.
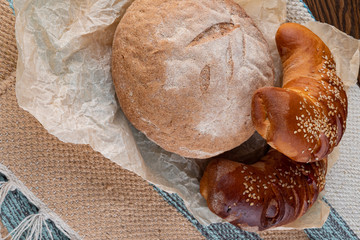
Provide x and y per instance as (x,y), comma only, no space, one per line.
(215,31)
(204,78)
(243,51)
(230,62)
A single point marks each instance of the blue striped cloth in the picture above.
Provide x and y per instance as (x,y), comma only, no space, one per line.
(17,207)
(334,228)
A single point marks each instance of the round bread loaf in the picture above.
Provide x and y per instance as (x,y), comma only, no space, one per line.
(185,72)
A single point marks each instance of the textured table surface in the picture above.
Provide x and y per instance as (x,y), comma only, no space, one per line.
(343,14)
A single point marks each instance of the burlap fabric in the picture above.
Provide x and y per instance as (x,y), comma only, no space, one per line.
(94,196)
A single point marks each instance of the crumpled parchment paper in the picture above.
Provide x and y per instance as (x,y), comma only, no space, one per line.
(64,80)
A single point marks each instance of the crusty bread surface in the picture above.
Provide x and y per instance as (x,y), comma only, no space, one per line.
(306,118)
(272,192)
(185,72)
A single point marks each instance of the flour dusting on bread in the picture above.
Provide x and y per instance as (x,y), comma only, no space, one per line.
(192,67)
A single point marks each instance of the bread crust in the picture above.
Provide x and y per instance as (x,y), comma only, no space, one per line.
(185,71)
(306,118)
(270,193)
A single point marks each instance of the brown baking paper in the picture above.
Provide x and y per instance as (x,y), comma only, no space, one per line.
(64,80)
